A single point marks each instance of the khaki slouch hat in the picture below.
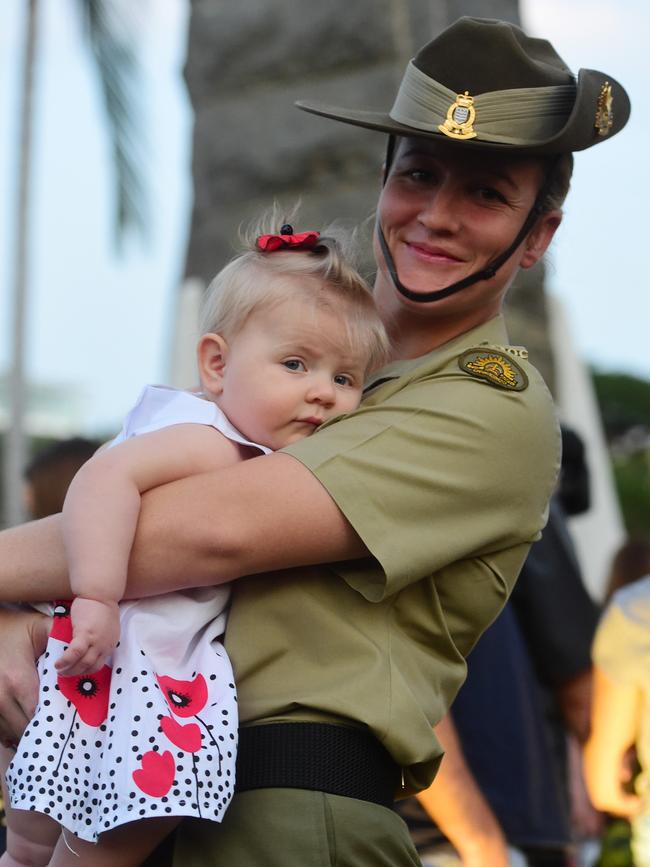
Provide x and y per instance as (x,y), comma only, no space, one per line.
(486,84)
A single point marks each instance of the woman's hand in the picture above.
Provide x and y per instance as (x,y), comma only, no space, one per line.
(23,637)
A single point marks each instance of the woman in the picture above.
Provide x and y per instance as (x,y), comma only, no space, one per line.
(408,520)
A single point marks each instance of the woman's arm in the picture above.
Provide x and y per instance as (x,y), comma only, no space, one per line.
(614,728)
(280,515)
(263,514)
(33,565)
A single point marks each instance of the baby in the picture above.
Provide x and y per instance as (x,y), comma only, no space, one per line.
(137,711)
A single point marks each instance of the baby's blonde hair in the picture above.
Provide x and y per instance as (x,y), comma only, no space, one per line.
(252,281)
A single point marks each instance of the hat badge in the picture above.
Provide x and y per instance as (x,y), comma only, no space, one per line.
(459,123)
(604,115)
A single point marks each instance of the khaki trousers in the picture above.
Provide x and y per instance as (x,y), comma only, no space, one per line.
(297,828)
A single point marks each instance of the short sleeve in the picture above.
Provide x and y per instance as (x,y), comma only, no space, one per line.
(622,643)
(446,468)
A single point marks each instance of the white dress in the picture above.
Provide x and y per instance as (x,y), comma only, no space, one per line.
(154,732)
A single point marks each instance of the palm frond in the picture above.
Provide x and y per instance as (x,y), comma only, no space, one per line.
(111,38)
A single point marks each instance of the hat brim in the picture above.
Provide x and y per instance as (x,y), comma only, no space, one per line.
(578,133)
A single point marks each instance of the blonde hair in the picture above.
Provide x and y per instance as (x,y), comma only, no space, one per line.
(252,282)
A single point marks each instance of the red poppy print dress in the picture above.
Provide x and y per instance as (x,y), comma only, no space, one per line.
(154,732)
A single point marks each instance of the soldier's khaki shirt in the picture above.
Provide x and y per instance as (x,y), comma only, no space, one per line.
(446,478)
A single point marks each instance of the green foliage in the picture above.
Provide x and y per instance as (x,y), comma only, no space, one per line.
(111,36)
(625,406)
(624,402)
(616,849)
(632,475)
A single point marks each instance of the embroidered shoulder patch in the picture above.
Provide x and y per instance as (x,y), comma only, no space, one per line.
(494,367)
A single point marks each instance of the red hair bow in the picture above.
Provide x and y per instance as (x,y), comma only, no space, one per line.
(286,240)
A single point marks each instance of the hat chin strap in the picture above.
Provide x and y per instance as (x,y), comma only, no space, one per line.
(486,273)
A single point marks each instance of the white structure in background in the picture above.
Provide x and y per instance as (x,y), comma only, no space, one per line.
(182,371)
(56,411)
(600,531)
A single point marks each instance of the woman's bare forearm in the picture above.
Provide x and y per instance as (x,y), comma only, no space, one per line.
(33,563)
(264,514)
(170,547)
(261,515)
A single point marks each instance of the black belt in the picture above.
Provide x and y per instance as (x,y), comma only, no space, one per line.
(329,758)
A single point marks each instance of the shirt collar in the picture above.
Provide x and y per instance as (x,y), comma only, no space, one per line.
(492,331)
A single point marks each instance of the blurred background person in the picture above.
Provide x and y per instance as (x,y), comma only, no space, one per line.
(49,473)
(631,562)
(620,728)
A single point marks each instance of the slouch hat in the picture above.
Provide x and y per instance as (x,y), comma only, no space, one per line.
(486,84)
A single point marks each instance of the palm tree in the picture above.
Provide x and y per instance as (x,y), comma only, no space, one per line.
(109,28)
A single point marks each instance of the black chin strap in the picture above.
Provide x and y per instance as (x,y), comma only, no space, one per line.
(486,273)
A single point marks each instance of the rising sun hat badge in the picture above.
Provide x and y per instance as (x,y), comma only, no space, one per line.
(604,115)
(495,368)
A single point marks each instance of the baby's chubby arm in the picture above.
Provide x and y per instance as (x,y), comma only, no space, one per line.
(100,516)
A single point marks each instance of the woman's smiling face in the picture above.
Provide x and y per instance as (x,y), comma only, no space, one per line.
(446,213)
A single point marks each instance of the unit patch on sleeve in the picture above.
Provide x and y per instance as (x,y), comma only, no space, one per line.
(494,367)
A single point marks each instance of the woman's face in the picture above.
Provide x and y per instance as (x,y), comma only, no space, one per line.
(446,213)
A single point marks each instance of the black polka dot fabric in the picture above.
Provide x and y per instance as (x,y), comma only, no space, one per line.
(152,733)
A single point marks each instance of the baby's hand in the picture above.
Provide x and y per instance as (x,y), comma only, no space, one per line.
(95,631)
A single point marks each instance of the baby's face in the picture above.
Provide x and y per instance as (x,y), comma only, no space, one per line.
(288,370)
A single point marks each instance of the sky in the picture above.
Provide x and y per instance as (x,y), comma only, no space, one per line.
(101,325)
(96,322)
(595,266)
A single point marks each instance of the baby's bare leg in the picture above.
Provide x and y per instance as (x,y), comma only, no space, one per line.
(31,836)
(126,845)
